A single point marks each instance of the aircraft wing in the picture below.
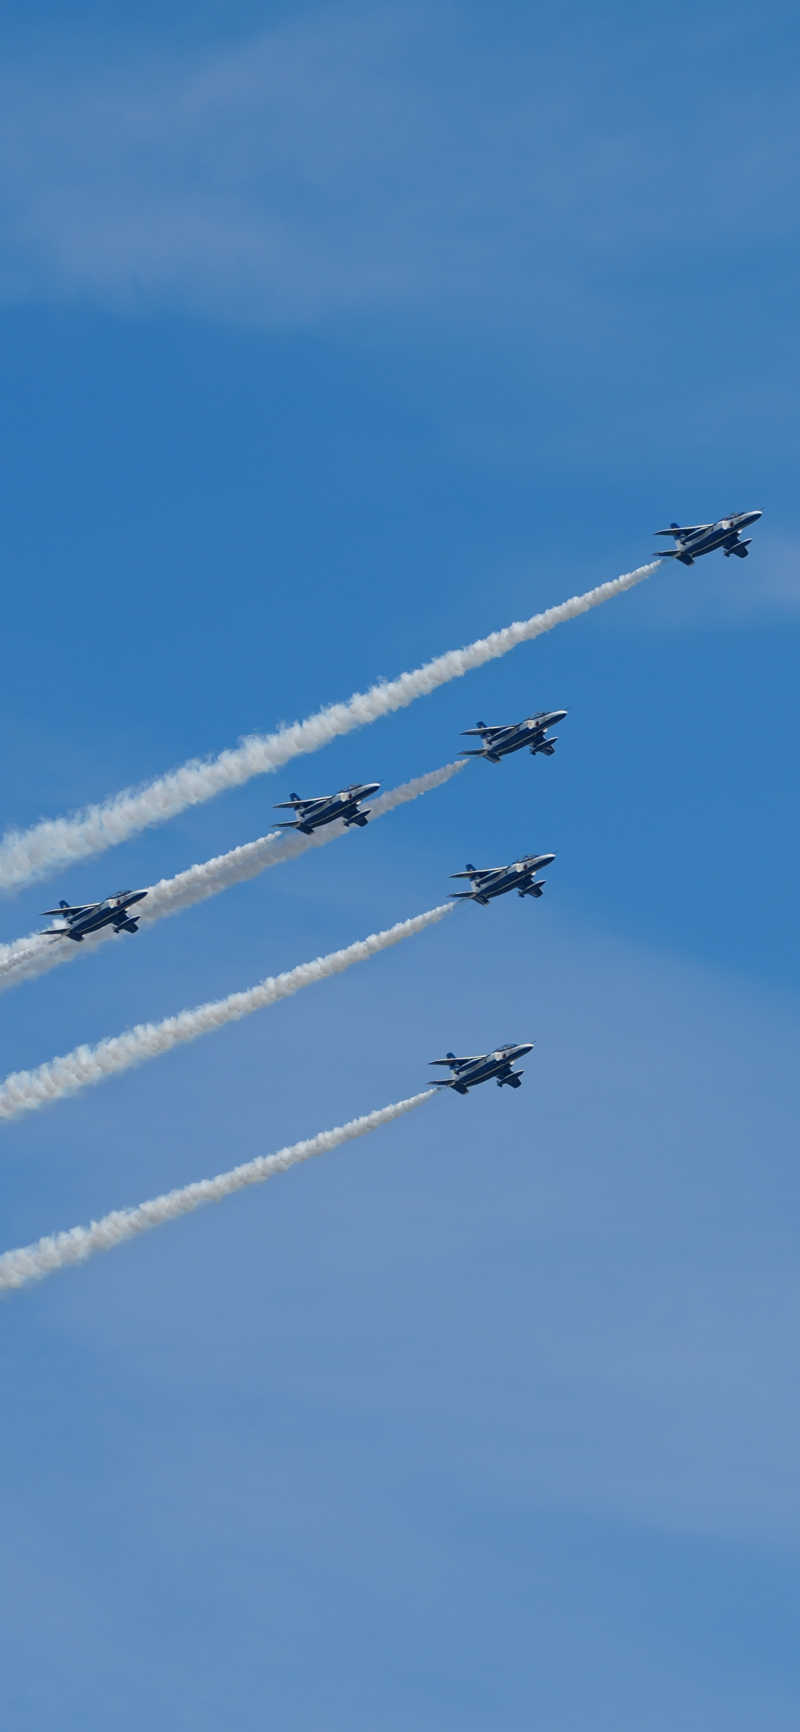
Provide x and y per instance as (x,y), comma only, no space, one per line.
(480,733)
(82,908)
(455,1062)
(687,529)
(477,872)
(297,805)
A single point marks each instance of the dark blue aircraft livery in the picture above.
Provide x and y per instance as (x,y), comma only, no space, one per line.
(490,881)
(310,815)
(694,539)
(497,742)
(89,917)
(468,1072)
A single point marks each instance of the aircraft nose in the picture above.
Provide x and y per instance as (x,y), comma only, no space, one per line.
(524,1046)
(558,716)
(369,788)
(544,860)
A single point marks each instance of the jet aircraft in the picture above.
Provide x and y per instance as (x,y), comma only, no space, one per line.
(310,815)
(497,742)
(92,916)
(490,881)
(694,539)
(468,1072)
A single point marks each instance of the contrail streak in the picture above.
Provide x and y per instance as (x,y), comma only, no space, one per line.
(29,854)
(27,958)
(58,1250)
(26,1090)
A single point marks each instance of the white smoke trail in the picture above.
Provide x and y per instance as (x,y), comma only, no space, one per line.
(26,1090)
(27,958)
(57,1250)
(29,854)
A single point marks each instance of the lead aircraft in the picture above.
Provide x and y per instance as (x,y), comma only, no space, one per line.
(490,881)
(497,742)
(694,539)
(310,815)
(468,1072)
(88,917)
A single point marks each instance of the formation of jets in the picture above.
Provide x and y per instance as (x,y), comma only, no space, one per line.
(486,882)
(88,917)
(695,539)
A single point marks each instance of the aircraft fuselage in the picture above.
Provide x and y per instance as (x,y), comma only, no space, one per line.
(469,1072)
(80,922)
(691,544)
(311,815)
(499,880)
(500,742)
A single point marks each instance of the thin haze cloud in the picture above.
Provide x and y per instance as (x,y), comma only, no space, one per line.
(30,854)
(251,182)
(58,1250)
(25,1091)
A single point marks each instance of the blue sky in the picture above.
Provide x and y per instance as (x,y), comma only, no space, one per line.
(337,336)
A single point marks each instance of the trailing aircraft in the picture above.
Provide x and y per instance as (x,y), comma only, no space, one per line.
(490,881)
(694,539)
(89,917)
(497,742)
(310,815)
(468,1072)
